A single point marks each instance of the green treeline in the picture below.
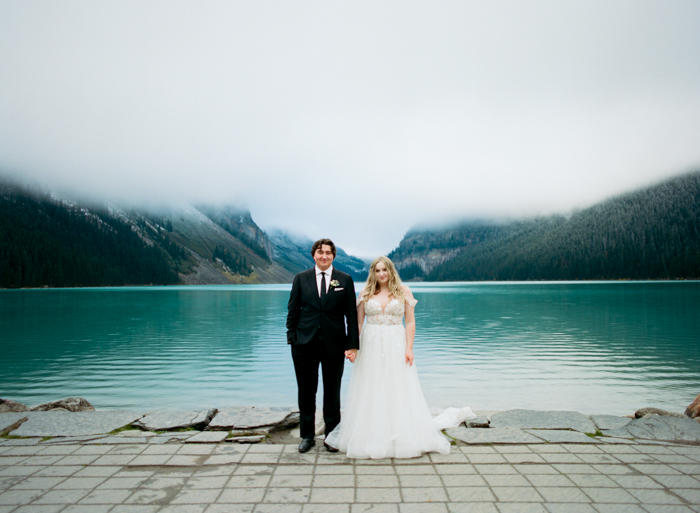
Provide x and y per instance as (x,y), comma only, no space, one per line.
(44,242)
(648,234)
(236,263)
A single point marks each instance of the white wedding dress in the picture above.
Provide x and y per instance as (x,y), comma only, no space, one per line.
(385,413)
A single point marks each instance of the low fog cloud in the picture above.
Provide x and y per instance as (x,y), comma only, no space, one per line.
(355,120)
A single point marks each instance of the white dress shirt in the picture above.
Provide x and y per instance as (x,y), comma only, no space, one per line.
(328,272)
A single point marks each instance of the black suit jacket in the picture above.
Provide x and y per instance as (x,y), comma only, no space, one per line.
(307,317)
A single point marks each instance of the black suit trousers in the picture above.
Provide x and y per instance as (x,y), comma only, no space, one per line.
(307,358)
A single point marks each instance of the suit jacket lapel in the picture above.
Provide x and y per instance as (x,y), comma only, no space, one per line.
(334,276)
(314,287)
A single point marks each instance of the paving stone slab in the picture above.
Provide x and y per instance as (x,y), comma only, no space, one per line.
(615,440)
(534,419)
(657,427)
(184,435)
(136,433)
(208,437)
(173,438)
(117,440)
(562,436)
(263,430)
(479,422)
(493,436)
(160,440)
(56,423)
(246,439)
(9,418)
(63,440)
(167,420)
(248,417)
(610,421)
(20,441)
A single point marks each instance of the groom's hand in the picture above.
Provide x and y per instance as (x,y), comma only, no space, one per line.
(351,354)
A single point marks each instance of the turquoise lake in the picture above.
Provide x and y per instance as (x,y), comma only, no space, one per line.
(595,347)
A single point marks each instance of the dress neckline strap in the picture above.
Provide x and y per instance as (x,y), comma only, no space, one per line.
(380,304)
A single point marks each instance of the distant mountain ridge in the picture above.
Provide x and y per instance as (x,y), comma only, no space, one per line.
(294,253)
(56,242)
(651,233)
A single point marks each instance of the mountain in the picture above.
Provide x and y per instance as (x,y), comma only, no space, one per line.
(57,242)
(224,245)
(651,233)
(46,241)
(294,254)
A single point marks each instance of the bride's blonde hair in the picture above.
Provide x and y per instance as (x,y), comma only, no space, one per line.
(372,285)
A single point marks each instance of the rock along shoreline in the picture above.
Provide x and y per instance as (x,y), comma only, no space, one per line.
(75,420)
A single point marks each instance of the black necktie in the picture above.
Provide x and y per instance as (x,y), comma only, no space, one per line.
(323,287)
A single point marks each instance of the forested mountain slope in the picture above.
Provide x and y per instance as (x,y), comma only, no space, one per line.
(653,233)
(56,242)
(294,254)
(49,242)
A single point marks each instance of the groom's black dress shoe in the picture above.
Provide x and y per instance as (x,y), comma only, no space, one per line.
(329,448)
(306,444)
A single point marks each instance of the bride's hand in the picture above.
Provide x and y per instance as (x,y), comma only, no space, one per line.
(409,357)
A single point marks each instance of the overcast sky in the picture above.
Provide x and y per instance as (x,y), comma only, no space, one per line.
(352,120)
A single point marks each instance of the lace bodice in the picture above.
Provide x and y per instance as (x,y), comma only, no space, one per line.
(391,315)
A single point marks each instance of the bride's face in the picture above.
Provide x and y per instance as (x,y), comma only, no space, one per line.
(382,273)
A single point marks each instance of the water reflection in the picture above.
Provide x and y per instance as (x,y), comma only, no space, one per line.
(592,347)
(585,346)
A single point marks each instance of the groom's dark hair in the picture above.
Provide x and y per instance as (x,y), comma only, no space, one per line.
(321,242)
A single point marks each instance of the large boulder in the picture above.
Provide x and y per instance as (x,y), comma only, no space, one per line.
(7,406)
(693,409)
(643,412)
(73,404)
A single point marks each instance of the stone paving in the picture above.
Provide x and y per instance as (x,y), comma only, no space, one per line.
(143,475)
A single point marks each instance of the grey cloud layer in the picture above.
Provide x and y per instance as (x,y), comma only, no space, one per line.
(354,120)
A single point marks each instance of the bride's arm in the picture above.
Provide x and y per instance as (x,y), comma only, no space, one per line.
(360,314)
(410,320)
(351,354)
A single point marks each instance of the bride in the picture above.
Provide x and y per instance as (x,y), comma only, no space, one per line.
(385,414)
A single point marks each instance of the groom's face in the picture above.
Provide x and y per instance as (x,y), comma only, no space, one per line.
(323,257)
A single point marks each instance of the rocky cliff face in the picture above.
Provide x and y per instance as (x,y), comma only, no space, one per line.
(426,260)
(239,223)
(422,250)
(217,245)
(293,252)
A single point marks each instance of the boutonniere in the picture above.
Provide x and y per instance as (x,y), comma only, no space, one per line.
(334,284)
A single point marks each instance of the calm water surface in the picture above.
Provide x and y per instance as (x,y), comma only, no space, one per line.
(607,347)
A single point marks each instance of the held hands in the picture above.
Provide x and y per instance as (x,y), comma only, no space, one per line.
(351,354)
(409,357)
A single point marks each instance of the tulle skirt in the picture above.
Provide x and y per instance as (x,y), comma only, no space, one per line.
(385,413)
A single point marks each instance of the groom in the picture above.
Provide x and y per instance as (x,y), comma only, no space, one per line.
(322,329)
